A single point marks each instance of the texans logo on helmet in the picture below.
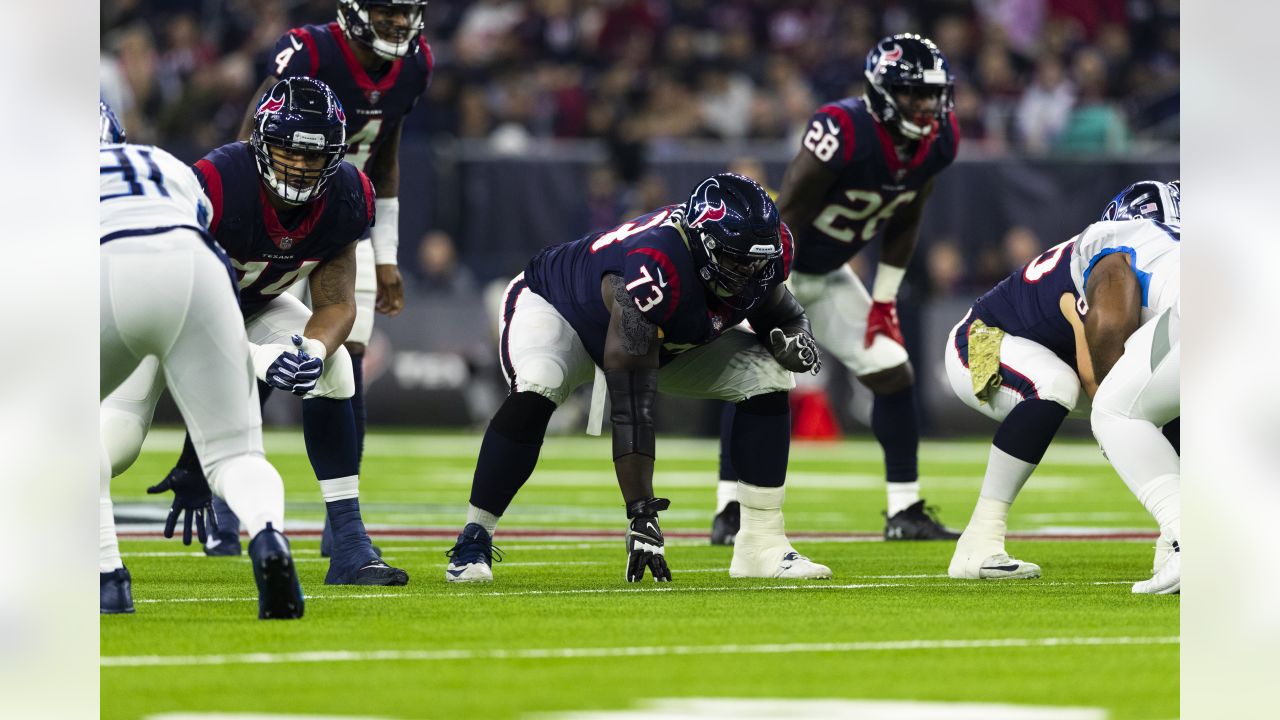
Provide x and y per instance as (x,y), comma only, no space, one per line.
(708,213)
(888,57)
(342,116)
(271,104)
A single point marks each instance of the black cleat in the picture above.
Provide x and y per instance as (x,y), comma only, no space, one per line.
(279,592)
(917,522)
(115,592)
(725,527)
(223,544)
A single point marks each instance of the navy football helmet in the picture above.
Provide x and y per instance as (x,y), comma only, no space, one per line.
(303,119)
(912,65)
(386,40)
(735,237)
(1149,200)
(110,130)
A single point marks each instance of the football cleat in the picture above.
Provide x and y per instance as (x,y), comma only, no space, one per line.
(115,592)
(326,541)
(1167,580)
(775,560)
(917,522)
(355,563)
(985,566)
(726,524)
(226,541)
(279,593)
(1164,549)
(471,558)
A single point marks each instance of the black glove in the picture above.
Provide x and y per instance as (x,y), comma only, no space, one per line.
(795,350)
(644,541)
(192,497)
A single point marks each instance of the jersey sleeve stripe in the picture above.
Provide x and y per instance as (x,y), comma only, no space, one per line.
(846,128)
(955,132)
(669,274)
(212,181)
(788,251)
(369,195)
(312,52)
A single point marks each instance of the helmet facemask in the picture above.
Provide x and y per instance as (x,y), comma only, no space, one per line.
(912,66)
(739,280)
(383,37)
(1148,200)
(293,182)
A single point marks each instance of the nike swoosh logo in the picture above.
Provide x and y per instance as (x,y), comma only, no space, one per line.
(834,130)
(1002,568)
(662,281)
(654,527)
(293,40)
(456,573)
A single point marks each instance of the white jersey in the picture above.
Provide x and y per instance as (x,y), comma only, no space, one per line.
(1154,251)
(145,188)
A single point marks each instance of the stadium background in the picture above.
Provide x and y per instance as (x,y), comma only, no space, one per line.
(547,119)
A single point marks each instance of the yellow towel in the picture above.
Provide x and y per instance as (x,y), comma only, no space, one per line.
(984,359)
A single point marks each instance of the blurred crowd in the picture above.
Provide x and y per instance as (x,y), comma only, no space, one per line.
(1032,76)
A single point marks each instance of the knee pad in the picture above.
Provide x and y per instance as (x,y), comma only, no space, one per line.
(338,381)
(773,403)
(122,436)
(545,376)
(1063,389)
(523,417)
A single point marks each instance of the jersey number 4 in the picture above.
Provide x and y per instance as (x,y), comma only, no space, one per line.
(840,221)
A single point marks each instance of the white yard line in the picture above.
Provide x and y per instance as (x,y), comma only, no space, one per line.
(323,656)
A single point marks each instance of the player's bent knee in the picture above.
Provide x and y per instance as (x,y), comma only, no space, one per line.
(355,348)
(122,436)
(544,376)
(523,417)
(338,381)
(1064,390)
(888,382)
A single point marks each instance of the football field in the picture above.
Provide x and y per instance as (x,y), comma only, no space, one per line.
(559,633)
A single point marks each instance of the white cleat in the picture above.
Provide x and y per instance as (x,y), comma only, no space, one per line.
(1167,580)
(997,566)
(774,561)
(476,572)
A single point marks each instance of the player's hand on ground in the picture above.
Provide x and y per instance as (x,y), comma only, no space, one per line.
(645,544)
(192,499)
(390,297)
(295,371)
(795,351)
(883,320)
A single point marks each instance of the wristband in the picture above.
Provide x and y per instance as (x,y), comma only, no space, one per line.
(885,287)
(385,232)
(314,348)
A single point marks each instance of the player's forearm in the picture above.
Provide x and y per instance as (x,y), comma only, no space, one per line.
(331,324)
(632,393)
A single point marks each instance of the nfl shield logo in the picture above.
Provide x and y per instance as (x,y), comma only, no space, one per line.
(717,323)
(286,243)
(373,96)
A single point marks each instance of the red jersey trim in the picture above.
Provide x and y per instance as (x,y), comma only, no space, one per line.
(369,195)
(788,251)
(276,230)
(670,275)
(846,128)
(358,72)
(955,132)
(891,155)
(213,188)
(310,42)
(426,53)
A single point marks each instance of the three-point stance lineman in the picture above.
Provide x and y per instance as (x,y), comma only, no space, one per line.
(654,303)
(168,299)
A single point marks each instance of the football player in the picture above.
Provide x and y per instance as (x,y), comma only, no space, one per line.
(653,304)
(286,208)
(1127,269)
(866,170)
(168,297)
(376,61)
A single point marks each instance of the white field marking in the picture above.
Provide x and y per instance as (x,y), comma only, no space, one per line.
(828,708)
(1058,517)
(575,446)
(258,716)
(320,656)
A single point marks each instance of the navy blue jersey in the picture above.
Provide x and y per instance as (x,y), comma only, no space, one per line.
(650,254)
(268,255)
(374,105)
(1029,302)
(873,182)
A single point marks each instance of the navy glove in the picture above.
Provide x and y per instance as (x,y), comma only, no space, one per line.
(191,498)
(295,372)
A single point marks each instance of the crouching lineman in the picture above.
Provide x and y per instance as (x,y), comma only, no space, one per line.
(286,207)
(1128,272)
(1019,357)
(167,293)
(653,303)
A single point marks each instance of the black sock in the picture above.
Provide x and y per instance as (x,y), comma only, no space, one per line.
(1173,433)
(1029,428)
(893,420)
(357,403)
(726,442)
(762,439)
(510,450)
(329,429)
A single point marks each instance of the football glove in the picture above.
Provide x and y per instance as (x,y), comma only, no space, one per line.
(795,350)
(296,372)
(644,541)
(883,320)
(192,499)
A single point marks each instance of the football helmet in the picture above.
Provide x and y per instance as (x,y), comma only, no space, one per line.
(298,115)
(353,18)
(911,64)
(1149,200)
(735,237)
(110,131)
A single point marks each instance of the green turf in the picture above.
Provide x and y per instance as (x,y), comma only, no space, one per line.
(565,596)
